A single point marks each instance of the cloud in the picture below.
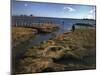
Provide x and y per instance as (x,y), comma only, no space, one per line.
(90,16)
(25,4)
(70,9)
(92,11)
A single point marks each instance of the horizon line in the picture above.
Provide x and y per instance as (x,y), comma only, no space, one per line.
(51,17)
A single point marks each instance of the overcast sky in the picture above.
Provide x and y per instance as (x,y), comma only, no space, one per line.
(53,10)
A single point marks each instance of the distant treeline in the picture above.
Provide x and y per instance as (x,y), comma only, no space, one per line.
(31,15)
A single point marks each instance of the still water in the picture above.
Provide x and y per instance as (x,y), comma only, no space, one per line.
(64,24)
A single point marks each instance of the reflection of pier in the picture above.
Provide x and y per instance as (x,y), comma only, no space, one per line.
(27,20)
(41,24)
(41,27)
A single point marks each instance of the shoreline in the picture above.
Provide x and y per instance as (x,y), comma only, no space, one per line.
(61,47)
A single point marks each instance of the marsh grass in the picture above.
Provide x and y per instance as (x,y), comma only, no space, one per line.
(77,52)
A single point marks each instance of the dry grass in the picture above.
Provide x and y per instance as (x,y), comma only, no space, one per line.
(20,34)
(77,52)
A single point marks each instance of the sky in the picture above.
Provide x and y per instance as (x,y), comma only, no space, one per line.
(53,10)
